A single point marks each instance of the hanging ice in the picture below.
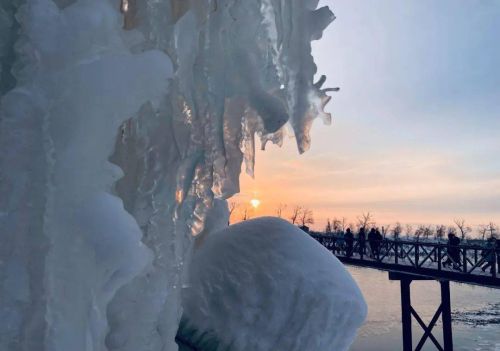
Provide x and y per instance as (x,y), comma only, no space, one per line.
(120,125)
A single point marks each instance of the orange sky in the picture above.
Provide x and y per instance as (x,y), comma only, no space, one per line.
(404,185)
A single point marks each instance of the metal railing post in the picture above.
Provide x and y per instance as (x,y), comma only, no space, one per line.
(416,255)
(494,264)
(396,253)
(440,256)
(464,265)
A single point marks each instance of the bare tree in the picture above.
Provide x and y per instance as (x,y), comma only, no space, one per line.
(232,206)
(351,225)
(419,232)
(462,227)
(492,228)
(328,228)
(280,209)
(408,230)
(428,232)
(397,230)
(306,217)
(483,229)
(385,230)
(343,223)
(440,231)
(245,214)
(296,211)
(336,225)
(365,221)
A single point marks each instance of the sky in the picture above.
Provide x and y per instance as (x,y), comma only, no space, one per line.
(416,125)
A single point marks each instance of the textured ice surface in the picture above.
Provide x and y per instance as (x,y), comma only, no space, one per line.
(265,285)
(123,127)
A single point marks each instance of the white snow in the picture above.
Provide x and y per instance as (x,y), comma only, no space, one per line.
(264,284)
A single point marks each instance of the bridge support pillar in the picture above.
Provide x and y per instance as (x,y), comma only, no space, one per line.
(407,312)
(446,315)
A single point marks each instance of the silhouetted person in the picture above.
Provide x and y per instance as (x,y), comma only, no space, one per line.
(372,235)
(456,251)
(453,251)
(378,242)
(349,242)
(362,241)
(489,253)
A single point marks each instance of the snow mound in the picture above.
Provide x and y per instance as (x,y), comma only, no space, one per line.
(264,284)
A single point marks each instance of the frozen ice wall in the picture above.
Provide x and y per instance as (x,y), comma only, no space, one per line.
(122,126)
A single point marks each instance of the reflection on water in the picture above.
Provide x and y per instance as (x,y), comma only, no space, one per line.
(476,313)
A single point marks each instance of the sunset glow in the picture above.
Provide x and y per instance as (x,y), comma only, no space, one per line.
(255,203)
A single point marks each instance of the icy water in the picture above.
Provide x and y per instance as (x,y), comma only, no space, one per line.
(476,313)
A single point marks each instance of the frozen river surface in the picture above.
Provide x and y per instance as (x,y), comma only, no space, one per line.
(476,313)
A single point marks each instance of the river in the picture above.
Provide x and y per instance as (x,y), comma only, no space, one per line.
(475,313)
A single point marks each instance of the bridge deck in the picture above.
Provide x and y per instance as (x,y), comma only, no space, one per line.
(426,259)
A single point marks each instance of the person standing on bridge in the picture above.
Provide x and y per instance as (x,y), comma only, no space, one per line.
(362,241)
(378,242)
(453,251)
(349,242)
(372,237)
(489,253)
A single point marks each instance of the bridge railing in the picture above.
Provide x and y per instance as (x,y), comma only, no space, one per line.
(463,258)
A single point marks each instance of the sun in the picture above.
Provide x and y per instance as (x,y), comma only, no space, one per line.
(255,203)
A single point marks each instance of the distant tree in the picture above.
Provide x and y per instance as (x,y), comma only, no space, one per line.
(397,230)
(343,222)
(462,227)
(351,225)
(492,229)
(338,224)
(232,206)
(306,217)
(408,230)
(296,211)
(483,229)
(245,214)
(328,228)
(428,232)
(440,231)
(365,221)
(280,209)
(419,232)
(385,230)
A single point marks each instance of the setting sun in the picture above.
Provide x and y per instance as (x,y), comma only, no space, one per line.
(255,203)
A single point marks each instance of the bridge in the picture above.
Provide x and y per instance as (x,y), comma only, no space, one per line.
(408,260)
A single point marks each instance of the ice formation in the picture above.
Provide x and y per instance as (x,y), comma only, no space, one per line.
(263,285)
(121,125)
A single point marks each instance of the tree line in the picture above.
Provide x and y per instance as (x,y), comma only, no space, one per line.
(303,216)
(298,215)
(398,230)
